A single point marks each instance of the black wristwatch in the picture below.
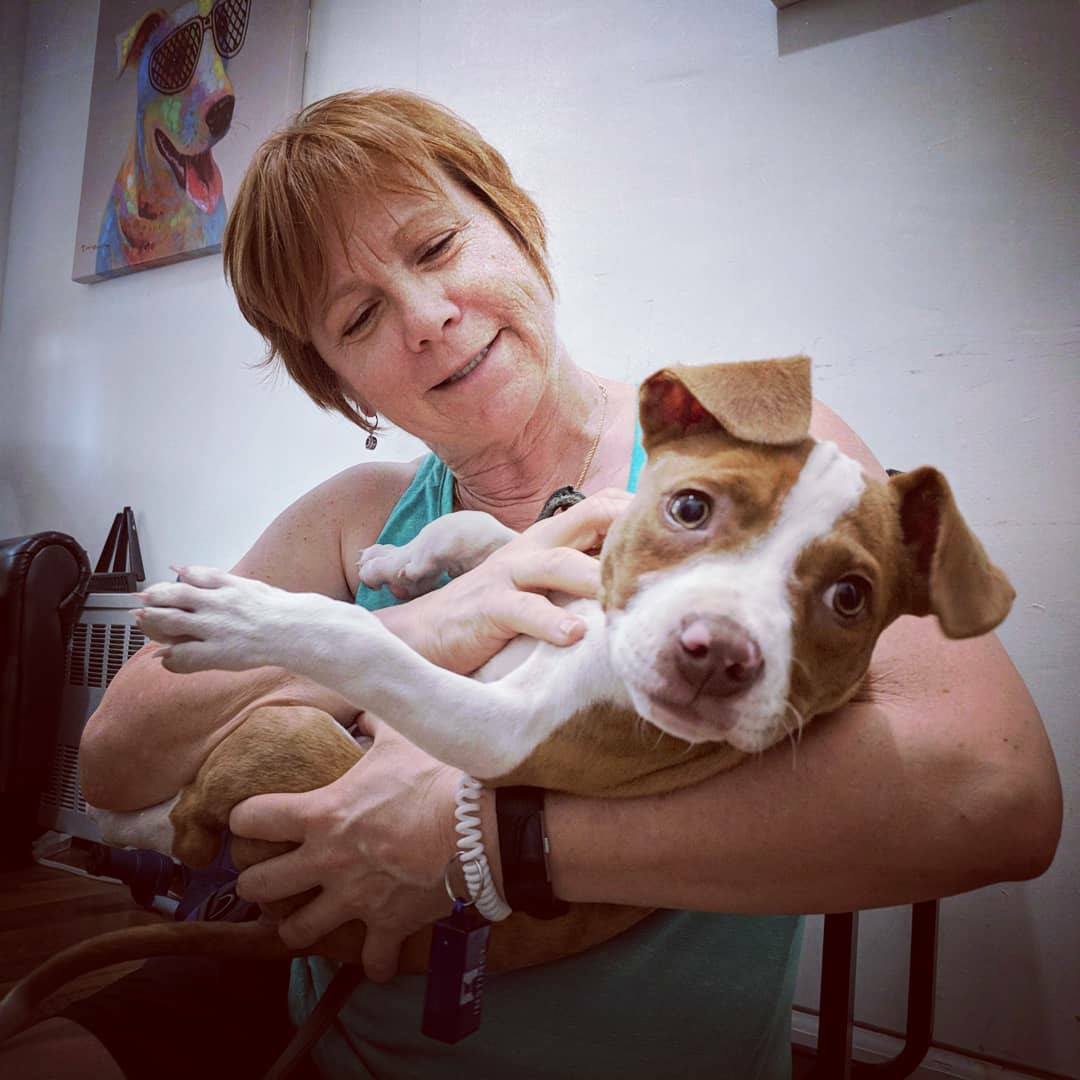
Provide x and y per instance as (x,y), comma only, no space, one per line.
(523,852)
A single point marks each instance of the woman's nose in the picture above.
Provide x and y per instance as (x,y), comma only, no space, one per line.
(429,313)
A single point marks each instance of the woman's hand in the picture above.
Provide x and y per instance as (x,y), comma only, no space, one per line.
(376,843)
(462,625)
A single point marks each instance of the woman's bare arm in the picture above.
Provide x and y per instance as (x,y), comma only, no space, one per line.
(943,781)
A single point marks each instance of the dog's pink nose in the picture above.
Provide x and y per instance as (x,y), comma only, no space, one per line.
(718,655)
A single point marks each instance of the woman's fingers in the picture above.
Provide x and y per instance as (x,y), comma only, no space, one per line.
(535,616)
(559,569)
(279,817)
(269,817)
(463,625)
(313,921)
(380,955)
(584,525)
(279,878)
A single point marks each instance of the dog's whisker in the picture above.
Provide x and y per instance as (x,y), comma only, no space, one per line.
(793,737)
(789,735)
(800,720)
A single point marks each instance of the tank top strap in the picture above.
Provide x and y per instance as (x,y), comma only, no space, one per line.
(637,458)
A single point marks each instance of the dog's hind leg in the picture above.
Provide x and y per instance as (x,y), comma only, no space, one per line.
(278,748)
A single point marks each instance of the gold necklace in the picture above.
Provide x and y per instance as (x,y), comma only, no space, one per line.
(599,431)
(456,490)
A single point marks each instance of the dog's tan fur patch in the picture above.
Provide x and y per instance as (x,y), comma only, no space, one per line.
(609,751)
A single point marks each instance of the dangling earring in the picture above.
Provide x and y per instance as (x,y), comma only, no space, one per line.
(372,418)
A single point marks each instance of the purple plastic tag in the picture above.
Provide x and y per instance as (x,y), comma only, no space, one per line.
(455,978)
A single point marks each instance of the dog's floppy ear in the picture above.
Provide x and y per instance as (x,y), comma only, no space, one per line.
(130,44)
(759,401)
(949,573)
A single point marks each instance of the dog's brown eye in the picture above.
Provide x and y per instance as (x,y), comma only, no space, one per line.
(849,596)
(690,509)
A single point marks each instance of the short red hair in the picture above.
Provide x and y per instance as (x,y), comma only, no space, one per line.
(378,141)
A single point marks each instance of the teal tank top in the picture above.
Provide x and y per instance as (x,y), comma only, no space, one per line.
(682,994)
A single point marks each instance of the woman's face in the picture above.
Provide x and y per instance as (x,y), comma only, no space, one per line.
(434,318)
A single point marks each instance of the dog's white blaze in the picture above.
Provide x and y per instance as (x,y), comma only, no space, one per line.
(749,586)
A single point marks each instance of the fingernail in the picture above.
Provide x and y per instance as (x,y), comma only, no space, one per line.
(571,628)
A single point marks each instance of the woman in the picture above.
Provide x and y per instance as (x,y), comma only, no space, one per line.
(393,265)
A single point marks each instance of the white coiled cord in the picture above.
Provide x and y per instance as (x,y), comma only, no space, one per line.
(471,851)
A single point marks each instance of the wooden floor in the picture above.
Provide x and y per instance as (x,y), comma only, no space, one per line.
(43,910)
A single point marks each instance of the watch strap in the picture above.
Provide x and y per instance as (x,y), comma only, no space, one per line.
(523,851)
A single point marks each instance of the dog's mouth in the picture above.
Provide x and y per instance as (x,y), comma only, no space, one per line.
(686,720)
(197,174)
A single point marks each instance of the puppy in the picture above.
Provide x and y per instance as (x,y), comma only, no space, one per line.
(743,591)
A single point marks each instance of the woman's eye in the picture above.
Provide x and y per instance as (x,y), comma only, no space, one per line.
(358,323)
(690,509)
(849,596)
(437,248)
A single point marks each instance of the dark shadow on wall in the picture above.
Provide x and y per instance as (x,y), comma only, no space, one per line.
(818,22)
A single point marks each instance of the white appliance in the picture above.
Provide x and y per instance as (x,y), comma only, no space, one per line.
(101,641)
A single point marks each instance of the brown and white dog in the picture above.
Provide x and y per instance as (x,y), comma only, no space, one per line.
(743,591)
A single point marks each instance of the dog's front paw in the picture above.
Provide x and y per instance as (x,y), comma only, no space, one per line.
(407,571)
(213,620)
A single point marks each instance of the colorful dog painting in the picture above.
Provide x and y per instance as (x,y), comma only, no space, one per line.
(167,197)
(180,100)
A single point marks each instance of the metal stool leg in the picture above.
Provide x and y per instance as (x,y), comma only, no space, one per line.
(837,996)
(833,1058)
(922,980)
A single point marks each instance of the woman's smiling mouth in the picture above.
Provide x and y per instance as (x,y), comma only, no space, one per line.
(470,366)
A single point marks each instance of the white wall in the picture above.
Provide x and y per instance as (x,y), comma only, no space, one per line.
(892,191)
(12,46)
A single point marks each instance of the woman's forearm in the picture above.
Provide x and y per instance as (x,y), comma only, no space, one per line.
(938,790)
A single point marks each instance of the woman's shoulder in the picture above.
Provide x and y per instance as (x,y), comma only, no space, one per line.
(368,487)
(363,497)
(827,425)
(313,543)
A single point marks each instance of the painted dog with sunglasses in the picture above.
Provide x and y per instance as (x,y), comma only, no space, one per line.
(167,197)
